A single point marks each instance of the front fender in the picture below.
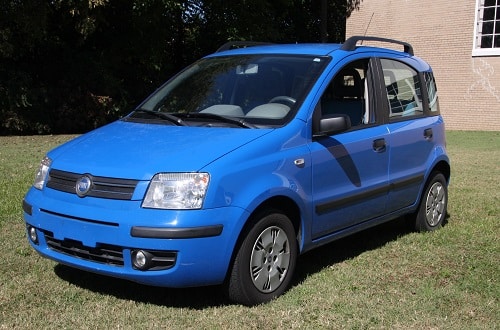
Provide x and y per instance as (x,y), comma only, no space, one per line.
(250,176)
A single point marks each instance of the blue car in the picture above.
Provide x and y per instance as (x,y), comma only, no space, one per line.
(243,161)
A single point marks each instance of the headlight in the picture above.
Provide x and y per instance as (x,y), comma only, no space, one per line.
(41,173)
(177,191)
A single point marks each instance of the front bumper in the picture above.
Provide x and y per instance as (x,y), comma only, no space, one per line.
(100,235)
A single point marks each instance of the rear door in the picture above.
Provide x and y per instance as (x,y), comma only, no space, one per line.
(411,132)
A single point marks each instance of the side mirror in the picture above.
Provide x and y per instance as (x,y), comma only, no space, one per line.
(332,124)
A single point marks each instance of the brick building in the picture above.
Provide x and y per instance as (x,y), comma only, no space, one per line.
(461,41)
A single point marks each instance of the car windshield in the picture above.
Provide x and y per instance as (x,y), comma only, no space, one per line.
(241,91)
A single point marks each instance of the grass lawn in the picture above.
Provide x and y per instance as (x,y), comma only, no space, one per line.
(386,277)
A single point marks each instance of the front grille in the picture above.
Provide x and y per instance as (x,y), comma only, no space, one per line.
(102,253)
(106,253)
(101,187)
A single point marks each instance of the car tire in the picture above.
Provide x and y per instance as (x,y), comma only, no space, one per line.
(433,205)
(265,261)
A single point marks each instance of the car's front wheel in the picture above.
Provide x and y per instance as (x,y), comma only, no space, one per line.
(433,206)
(265,261)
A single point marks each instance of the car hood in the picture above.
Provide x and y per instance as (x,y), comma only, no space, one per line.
(139,151)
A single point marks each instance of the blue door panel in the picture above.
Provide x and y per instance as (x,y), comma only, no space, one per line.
(350,179)
(411,146)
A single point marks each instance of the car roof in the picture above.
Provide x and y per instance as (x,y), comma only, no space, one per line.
(292,49)
(318,49)
(349,47)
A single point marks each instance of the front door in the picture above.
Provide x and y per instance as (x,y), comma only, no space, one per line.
(350,169)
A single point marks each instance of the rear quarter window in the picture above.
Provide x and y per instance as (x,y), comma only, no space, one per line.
(430,84)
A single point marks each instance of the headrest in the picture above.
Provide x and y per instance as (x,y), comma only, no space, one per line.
(347,84)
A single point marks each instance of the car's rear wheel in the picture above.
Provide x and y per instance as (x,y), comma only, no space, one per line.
(265,261)
(433,206)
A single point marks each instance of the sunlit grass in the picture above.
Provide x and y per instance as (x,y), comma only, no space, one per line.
(384,278)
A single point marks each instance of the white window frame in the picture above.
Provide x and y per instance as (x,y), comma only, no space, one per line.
(476,49)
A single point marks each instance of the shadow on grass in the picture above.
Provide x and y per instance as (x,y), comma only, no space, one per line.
(203,297)
(349,247)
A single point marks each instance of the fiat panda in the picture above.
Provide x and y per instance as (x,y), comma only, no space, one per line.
(243,161)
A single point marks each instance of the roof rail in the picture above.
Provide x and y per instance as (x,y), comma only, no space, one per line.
(351,43)
(240,44)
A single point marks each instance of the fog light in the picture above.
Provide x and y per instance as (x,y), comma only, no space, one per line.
(33,235)
(141,259)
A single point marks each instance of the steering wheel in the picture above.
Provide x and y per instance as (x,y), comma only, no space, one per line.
(283,99)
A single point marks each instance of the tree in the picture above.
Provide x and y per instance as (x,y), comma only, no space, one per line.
(70,66)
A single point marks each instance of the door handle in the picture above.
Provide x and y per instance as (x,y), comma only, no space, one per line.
(428,134)
(379,145)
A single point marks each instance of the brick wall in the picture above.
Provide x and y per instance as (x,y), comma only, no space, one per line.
(442,33)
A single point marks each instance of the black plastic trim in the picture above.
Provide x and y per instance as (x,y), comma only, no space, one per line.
(27,208)
(240,44)
(102,253)
(195,232)
(407,182)
(326,207)
(351,43)
(102,187)
(157,260)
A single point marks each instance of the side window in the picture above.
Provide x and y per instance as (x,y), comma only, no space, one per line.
(402,85)
(430,83)
(347,94)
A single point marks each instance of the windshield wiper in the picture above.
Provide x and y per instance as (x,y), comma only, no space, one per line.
(229,120)
(162,115)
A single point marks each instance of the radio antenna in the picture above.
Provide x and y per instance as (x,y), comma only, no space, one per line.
(366,30)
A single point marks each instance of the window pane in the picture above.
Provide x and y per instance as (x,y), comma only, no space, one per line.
(487,28)
(403,89)
(486,41)
(432,91)
(489,14)
(488,3)
(497,41)
(235,85)
(347,94)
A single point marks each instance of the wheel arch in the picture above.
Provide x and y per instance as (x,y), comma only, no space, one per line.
(280,203)
(443,167)
(421,224)
(285,205)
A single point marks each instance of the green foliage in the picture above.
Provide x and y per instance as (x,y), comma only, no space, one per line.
(70,66)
